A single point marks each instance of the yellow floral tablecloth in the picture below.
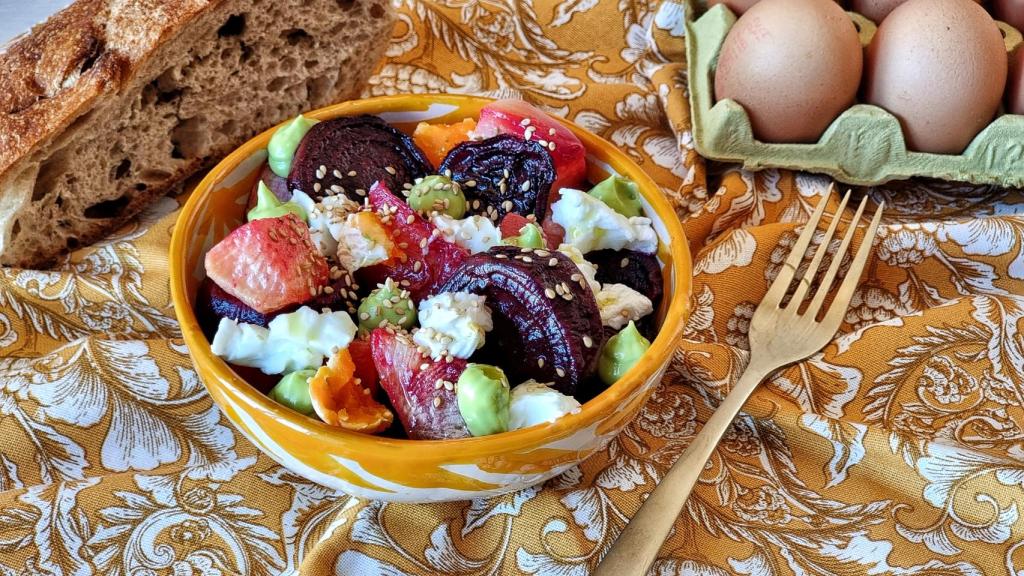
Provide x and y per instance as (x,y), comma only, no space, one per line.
(899,450)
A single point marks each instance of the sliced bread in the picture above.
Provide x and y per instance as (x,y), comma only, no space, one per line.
(110,103)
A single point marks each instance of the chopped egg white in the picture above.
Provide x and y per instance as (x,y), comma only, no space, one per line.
(296,341)
(355,250)
(619,304)
(474,233)
(590,224)
(452,323)
(588,269)
(325,218)
(535,403)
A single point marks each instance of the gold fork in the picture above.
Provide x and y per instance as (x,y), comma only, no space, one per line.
(779,335)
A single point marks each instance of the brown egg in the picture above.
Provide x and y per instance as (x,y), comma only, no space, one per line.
(940,67)
(1015,92)
(1009,11)
(794,66)
(877,10)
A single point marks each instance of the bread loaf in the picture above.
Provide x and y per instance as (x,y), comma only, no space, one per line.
(110,103)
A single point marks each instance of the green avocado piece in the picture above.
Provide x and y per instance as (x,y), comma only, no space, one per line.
(620,195)
(293,391)
(284,143)
(530,236)
(438,194)
(620,353)
(268,206)
(400,311)
(484,396)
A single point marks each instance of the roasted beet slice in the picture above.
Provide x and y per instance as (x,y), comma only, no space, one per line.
(350,154)
(277,185)
(503,174)
(637,270)
(545,315)
(213,303)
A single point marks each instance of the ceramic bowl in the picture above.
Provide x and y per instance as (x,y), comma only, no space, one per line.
(417,470)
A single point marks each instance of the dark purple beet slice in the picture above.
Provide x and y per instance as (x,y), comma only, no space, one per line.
(637,270)
(499,168)
(213,303)
(362,150)
(342,295)
(546,319)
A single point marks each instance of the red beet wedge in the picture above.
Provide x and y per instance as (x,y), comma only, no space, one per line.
(268,264)
(426,259)
(427,411)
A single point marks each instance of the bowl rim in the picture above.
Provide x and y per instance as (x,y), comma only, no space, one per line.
(591,411)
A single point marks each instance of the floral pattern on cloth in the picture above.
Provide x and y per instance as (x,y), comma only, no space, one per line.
(899,449)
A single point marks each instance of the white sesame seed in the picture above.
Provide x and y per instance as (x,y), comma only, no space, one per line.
(336,173)
(553,262)
(316,187)
(424,366)
(549,293)
(351,173)
(560,372)
(390,170)
(524,122)
(437,401)
(624,263)
(540,362)
(551,131)
(588,341)
(525,186)
(471,183)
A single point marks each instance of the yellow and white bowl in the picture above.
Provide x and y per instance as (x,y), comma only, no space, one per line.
(417,470)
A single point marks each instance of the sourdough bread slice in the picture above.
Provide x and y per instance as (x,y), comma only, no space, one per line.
(110,103)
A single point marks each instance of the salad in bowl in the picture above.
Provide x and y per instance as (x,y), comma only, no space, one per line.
(419,283)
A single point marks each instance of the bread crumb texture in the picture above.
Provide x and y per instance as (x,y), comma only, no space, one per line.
(109,104)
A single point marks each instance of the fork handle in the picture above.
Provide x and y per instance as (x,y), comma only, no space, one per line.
(637,546)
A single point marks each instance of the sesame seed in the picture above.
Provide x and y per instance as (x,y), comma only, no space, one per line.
(502,186)
(542,253)
(525,186)
(540,362)
(448,173)
(551,131)
(448,385)
(588,341)
(336,173)
(624,263)
(410,219)
(438,384)
(328,290)
(360,191)
(507,205)
(501,256)
(559,290)
(424,366)
(476,204)
(542,142)
(549,293)
(504,172)
(527,259)
(407,186)
(423,242)
(551,146)
(390,170)
(366,391)
(337,189)
(528,133)
(471,183)
(567,295)
(404,283)
(316,187)
(560,372)
(437,401)
(351,173)
(312,291)
(417,265)
(553,262)
(524,122)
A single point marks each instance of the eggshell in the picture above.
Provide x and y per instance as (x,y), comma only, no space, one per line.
(940,67)
(794,66)
(1015,93)
(877,10)
(1009,11)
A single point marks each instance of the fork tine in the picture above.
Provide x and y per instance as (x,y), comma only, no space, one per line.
(812,269)
(856,266)
(778,288)
(845,293)
(837,260)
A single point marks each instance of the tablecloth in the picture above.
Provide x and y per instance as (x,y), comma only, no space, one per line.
(897,450)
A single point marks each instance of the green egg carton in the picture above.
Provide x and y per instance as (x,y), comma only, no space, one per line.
(863,146)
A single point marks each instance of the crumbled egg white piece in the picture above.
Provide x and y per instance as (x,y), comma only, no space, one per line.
(474,233)
(452,324)
(325,218)
(590,224)
(535,403)
(588,269)
(619,304)
(295,341)
(355,250)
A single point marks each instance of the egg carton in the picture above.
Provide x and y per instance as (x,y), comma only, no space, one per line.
(863,146)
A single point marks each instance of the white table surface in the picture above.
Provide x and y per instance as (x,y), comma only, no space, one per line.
(18,16)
